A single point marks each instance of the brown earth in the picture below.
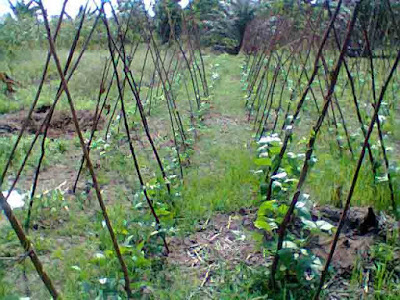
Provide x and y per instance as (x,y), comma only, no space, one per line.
(61,122)
(226,239)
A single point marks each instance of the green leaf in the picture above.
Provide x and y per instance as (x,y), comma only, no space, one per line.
(323,225)
(289,245)
(262,224)
(275,162)
(263,189)
(282,210)
(76,268)
(274,150)
(140,246)
(124,249)
(304,206)
(380,179)
(286,256)
(264,161)
(162,212)
(277,186)
(266,208)
(316,265)
(308,223)
(280,175)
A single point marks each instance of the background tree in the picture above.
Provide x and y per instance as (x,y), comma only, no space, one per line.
(168,19)
(225,21)
(22,10)
(131,13)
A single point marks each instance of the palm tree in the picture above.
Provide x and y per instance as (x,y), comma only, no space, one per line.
(22,9)
(229,27)
(242,12)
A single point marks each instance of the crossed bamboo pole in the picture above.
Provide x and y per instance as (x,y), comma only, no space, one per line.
(311,144)
(86,153)
(28,247)
(65,76)
(356,174)
(289,130)
(330,100)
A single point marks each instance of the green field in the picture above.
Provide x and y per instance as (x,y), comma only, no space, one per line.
(221,229)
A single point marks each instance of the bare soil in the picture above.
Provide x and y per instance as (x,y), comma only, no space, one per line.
(227,239)
(61,122)
(216,118)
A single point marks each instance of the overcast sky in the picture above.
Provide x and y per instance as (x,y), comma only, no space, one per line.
(53,7)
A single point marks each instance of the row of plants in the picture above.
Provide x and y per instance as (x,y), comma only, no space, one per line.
(286,87)
(140,232)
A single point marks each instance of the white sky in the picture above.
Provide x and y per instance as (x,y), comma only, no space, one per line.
(53,7)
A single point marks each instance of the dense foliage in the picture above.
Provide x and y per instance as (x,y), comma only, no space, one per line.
(222,24)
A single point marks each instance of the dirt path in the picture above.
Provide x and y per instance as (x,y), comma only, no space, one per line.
(219,189)
(227,127)
(219,177)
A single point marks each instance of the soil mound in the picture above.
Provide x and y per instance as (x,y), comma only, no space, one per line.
(61,122)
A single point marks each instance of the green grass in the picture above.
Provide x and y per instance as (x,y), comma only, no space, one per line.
(219,179)
(383,269)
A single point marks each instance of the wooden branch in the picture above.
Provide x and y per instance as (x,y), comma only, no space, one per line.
(28,247)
